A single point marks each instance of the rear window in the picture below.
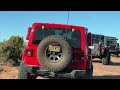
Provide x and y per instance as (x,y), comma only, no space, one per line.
(111,42)
(72,37)
(97,38)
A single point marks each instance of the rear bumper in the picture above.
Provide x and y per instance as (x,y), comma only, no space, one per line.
(72,75)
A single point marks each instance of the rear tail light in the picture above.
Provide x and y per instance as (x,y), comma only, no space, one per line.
(29,52)
(103,47)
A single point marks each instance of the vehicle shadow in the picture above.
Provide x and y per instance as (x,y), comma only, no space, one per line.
(107,77)
(111,63)
(115,56)
(96,61)
(114,63)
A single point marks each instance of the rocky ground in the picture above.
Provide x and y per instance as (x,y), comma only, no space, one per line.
(100,71)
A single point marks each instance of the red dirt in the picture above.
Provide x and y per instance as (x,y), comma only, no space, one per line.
(111,71)
(100,71)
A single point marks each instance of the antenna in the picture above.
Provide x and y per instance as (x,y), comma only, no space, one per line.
(68,17)
(67,20)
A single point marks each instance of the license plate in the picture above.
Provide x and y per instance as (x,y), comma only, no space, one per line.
(54,48)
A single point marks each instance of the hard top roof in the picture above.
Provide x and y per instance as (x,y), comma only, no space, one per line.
(54,24)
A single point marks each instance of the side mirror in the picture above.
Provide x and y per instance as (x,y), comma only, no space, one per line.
(91,47)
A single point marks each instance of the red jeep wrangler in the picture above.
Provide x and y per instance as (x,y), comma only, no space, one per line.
(57,51)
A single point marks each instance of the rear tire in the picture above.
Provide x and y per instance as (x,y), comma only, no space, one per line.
(24,72)
(106,59)
(117,54)
(89,73)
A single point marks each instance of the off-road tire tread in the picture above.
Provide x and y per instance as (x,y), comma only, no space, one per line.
(65,42)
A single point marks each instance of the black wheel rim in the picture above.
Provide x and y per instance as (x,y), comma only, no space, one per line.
(54,56)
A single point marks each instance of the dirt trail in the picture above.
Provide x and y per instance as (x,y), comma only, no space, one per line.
(100,71)
(111,71)
(9,72)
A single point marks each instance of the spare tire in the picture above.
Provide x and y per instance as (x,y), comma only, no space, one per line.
(54,59)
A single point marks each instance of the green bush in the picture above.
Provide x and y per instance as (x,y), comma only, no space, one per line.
(11,49)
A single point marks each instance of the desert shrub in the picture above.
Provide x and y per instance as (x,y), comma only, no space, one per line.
(11,49)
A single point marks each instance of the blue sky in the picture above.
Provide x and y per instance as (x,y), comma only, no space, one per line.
(17,22)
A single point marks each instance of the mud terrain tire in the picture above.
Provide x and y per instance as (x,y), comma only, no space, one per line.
(89,73)
(106,59)
(66,53)
(24,72)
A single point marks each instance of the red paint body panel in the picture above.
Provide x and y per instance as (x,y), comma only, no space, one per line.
(81,64)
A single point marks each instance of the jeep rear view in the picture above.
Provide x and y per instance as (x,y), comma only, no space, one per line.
(57,51)
(101,49)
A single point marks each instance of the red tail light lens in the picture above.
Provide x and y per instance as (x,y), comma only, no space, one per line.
(103,47)
(29,52)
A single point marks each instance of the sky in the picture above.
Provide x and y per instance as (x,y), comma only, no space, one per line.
(98,22)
